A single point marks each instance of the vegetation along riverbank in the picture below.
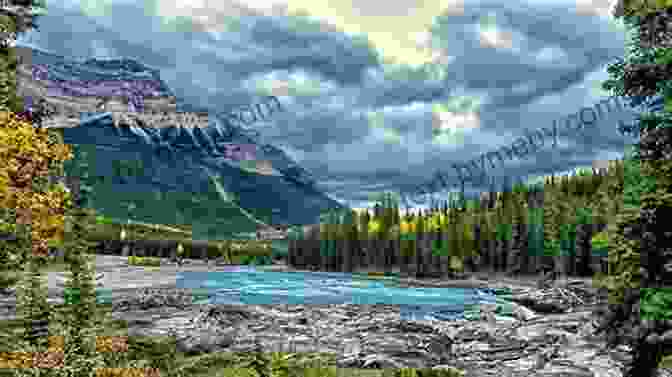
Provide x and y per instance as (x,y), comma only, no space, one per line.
(557,233)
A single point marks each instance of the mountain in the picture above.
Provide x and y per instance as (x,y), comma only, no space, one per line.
(172,172)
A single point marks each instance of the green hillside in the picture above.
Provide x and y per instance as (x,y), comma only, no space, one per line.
(210,215)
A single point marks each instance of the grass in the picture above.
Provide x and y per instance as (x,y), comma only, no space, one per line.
(143,261)
(666,362)
(10,277)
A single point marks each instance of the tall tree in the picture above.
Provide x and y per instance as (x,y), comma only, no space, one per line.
(19,17)
(37,207)
(640,268)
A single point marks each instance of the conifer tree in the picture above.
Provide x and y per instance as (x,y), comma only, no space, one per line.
(18,18)
(37,207)
(640,271)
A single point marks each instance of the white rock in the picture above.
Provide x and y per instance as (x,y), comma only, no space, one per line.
(522,313)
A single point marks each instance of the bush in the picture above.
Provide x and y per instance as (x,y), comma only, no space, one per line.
(8,280)
(143,261)
(599,243)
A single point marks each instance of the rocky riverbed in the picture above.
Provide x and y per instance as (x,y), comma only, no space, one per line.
(529,332)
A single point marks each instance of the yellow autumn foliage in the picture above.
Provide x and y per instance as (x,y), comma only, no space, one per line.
(28,154)
(406,227)
(374,226)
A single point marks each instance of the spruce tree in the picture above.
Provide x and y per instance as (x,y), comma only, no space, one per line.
(640,264)
(18,18)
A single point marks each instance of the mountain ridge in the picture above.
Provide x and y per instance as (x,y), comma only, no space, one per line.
(290,201)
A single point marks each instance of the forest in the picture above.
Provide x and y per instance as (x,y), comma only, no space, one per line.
(560,224)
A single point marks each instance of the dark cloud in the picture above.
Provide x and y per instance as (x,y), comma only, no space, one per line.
(543,70)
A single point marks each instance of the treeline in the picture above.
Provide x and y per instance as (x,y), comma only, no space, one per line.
(520,230)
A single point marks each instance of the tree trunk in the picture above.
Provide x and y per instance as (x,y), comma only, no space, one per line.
(514,263)
(418,260)
(408,264)
(442,260)
(380,255)
(498,254)
(396,249)
(125,250)
(347,256)
(428,257)
(291,249)
(508,258)
(524,252)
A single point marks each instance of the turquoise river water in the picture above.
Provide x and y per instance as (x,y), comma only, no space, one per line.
(247,285)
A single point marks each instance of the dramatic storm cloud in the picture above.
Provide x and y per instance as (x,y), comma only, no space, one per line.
(380,95)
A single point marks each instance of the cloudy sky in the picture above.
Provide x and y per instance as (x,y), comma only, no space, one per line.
(365,84)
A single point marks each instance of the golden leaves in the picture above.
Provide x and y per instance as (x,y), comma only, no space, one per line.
(48,359)
(56,343)
(28,153)
(15,360)
(111,344)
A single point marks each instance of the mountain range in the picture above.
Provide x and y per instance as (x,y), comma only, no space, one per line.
(197,184)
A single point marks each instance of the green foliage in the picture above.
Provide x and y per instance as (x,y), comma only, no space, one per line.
(635,183)
(8,280)
(656,303)
(32,297)
(551,247)
(624,257)
(102,220)
(664,56)
(9,100)
(600,241)
(504,231)
(567,238)
(640,8)
(584,215)
(143,261)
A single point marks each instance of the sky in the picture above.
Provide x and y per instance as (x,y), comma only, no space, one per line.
(380,95)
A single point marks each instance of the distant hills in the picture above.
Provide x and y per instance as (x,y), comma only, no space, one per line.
(197,186)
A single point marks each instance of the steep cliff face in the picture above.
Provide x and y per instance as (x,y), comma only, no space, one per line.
(166,166)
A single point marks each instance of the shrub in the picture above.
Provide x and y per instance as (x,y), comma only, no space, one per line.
(599,242)
(143,261)
(8,280)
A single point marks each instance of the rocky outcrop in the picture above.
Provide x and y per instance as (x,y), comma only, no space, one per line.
(376,336)
(176,157)
(504,339)
(501,338)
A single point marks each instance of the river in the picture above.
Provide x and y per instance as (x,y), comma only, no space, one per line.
(246,285)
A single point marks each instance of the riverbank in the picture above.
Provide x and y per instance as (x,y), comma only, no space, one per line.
(529,332)
(122,280)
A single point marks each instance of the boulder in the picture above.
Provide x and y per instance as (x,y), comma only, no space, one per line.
(376,336)
(552,300)
(148,298)
(205,341)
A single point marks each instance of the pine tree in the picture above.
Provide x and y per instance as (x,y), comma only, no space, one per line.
(32,304)
(14,20)
(80,287)
(37,208)
(640,267)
